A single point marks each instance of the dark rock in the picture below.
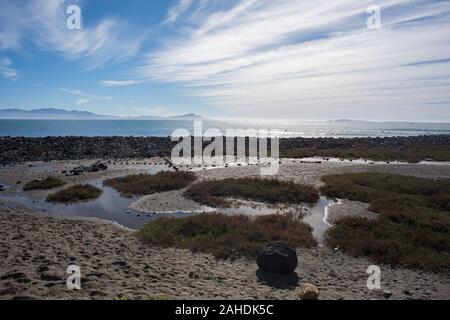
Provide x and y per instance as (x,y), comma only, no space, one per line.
(277,257)
(21,149)
(387,294)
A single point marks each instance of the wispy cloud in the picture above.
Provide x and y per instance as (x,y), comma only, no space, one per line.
(177,10)
(151,111)
(304,57)
(6,69)
(43,23)
(119,83)
(84,98)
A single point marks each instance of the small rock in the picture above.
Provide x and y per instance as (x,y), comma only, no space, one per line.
(308,292)
(387,294)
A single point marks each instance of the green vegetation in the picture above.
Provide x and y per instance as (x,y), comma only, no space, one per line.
(413,154)
(158,297)
(227,237)
(214,192)
(75,194)
(413,224)
(44,184)
(145,184)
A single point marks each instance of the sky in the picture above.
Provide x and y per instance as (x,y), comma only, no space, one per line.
(235,59)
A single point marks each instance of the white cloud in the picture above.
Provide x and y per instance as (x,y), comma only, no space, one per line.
(84,98)
(6,69)
(177,10)
(43,23)
(119,83)
(312,58)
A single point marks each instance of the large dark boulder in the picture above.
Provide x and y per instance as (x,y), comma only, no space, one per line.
(277,257)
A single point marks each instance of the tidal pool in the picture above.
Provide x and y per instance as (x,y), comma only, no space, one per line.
(111,206)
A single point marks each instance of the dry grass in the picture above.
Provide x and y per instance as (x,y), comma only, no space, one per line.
(214,193)
(413,224)
(145,184)
(75,194)
(44,184)
(227,237)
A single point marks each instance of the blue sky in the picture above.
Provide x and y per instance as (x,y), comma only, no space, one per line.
(245,59)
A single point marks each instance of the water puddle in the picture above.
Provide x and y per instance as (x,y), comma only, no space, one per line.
(362,161)
(110,206)
(314,215)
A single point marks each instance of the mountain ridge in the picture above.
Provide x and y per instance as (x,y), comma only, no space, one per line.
(63,114)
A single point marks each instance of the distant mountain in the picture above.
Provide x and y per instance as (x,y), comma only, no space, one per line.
(50,114)
(189,116)
(60,114)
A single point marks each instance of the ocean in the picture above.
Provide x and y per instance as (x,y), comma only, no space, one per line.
(159,128)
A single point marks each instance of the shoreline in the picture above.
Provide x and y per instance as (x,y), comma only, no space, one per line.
(22,149)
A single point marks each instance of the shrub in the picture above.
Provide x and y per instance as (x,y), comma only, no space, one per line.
(413,153)
(75,194)
(227,237)
(145,184)
(44,184)
(214,192)
(413,224)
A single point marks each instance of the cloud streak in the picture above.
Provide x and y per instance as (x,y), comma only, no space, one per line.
(119,83)
(43,23)
(307,57)
(6,69)
(85,98)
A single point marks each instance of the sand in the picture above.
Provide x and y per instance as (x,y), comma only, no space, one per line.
(35,249)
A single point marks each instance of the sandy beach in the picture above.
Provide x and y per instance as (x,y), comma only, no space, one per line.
(37,248)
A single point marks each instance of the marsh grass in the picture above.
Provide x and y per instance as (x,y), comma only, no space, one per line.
(75,194)
(412,154)
(44,184)
(214,193)
(145,184)
(227,237)
(413,224)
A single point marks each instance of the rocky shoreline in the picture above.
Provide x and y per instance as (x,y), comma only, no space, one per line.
(21,149)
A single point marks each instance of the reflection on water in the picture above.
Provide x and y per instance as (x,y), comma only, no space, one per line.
(109,206)
(112,206)
(314,215)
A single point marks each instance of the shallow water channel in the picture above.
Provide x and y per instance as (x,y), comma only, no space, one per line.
(112,206)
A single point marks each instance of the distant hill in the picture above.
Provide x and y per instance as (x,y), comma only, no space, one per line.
(61,114)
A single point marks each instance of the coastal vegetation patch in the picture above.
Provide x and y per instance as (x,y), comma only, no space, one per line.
(43,184)
(214,193)
(413,224)
(75,194)
(145,184)
(227,237)
(412,154)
